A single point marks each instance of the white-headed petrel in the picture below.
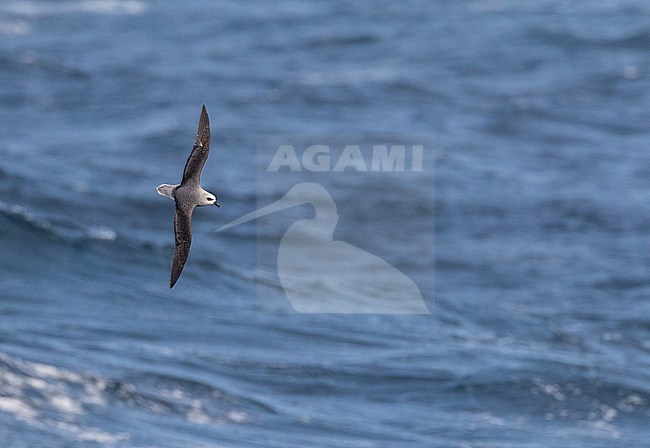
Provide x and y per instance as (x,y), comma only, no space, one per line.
(189,194)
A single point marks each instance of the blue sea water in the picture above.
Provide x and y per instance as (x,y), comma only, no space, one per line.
(537,275)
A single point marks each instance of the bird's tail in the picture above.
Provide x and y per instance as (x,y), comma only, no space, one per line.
(166,190)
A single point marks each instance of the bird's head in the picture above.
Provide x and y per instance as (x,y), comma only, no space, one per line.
(209,199)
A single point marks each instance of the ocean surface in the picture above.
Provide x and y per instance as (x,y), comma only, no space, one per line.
(527,232)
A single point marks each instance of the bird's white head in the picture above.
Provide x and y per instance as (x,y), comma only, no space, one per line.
(208,198)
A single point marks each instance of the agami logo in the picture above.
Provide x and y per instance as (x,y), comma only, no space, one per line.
(324,158)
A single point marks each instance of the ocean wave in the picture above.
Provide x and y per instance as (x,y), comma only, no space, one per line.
(51,65)
(639,40)
(193,396)
(20,214)
(14,27)
(44,396)
(569,397)
(60,400)
(69,232)
(38,9)
(354,77)
(353,39)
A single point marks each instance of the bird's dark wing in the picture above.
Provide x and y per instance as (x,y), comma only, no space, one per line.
(200,151)
(183,237)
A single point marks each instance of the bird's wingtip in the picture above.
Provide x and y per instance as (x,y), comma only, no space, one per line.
(204,119)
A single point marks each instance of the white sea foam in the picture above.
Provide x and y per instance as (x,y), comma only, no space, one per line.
(18,408)
(102,233)
(237,417)
(32,390)
(95,435)
(26,215)
(65,404)
(196,415)
(15,27)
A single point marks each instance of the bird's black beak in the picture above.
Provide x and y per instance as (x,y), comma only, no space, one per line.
(217,204)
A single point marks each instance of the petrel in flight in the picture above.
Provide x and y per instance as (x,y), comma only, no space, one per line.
(189,194)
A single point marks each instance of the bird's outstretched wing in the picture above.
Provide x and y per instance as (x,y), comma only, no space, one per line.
(200,151)
(183,237)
